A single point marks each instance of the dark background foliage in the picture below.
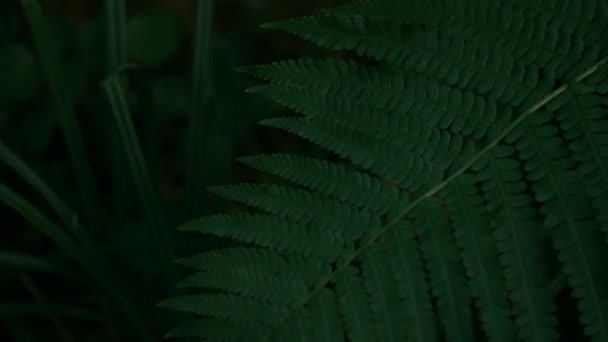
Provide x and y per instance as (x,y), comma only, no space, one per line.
(160,34)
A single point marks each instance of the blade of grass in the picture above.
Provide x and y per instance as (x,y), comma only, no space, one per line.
(116,26)
(117,58)
(67,116)
(202,115)
(84,256)
(64,241)
(147,195)
(69,217)
(28,262)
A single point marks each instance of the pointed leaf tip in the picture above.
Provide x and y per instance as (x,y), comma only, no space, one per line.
(243,159)
(256,89)
(167,303)
(266,122)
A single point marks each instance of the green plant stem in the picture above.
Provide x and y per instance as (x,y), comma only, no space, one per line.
(65,242)
(84,255)
(83,240)
(202,115)
(69,217)
(147,195)
(117,58)
(67,115)
(116,26)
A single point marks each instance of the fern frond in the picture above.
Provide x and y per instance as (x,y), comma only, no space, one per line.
(567,215)
(584,120)
(407,271)
(354,306)
(461,113)
(331,179)
(271,231)
(473,142)
(322,90)
(448,285)
(410,171)
(328,88)
(466,64)
(515,224)
(258,261)
(263,287)
(304,206)
(382,294)
(503,25)
(244,311)
(568,211)
(419,137)
(584,257)
(474,237)
(324,312)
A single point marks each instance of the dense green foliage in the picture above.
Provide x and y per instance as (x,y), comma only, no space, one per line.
(456,188)
(104,109)
(469,187)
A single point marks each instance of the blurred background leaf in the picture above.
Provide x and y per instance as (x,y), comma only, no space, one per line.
(20,72)
(153,38)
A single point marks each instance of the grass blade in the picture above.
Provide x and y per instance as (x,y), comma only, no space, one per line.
(147,194)
(201,118)
(27,262)
(85,257)
(68,216)
(116,25)
(117,58)
(83,250)
(63,100)
(65,242)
